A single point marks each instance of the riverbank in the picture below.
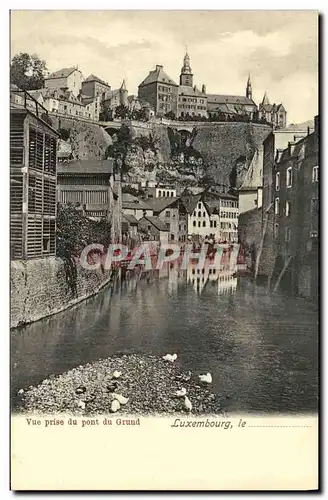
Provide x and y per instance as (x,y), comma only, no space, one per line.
(42,287)
(149,384)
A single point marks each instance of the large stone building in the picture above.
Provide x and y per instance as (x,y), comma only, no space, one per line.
(273,113)
(95,87)
(296,215)
(160,90)
(187,101)
(68,79)
(191,101)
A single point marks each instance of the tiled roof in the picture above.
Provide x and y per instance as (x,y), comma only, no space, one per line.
(86,167)
(61,73)
(190,202)
(130,218)
(94,78)
(159,204)
(130,201)
(186,90)
(158,75)
(155,221)
(229,99)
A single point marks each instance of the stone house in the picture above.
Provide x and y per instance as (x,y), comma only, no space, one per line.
(168,210)
(154,229)
(296,214)
(131,205)
(160,91)
(95,87)
(68,79)
(250,192)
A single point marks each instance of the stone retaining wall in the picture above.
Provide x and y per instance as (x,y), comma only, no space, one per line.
(40,287)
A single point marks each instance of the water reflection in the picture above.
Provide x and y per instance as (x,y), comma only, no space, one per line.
(260,348)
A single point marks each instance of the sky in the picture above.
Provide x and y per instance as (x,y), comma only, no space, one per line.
(279,49)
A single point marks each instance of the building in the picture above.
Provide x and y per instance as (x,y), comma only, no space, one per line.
(221,106)
(115,98)
(211,213)
(33,162)
(153,228)
(160,91)
(131,205)
(95,87)
(161,191)
(168,210)
(87,184)
(273,113)
(67,79)
(277,140)
(250,192)
(129,227)
(191,101)
(296,215)
(65,102)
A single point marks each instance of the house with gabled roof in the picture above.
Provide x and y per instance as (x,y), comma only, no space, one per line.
(93,86)
(160,91)
(273,113)
(153,228)
(69,79)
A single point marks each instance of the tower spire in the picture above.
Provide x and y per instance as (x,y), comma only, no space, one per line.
(186,76)
(265,99)
(249,87)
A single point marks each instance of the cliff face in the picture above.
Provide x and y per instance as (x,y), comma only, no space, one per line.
(175,154)
(87,140)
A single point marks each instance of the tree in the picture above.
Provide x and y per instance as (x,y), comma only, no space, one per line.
(27,71)
(170,115)
(121,111)
(120,147)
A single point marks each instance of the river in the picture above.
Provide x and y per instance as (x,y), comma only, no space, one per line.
(261,348)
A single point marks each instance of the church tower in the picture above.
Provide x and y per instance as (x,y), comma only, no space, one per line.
(123,94)
(186,76)
(249,88)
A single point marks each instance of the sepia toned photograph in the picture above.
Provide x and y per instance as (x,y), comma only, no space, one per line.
(164,217)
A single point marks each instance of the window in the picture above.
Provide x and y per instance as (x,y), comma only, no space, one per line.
(315,205)
(172,194)
(195,213)
(276,206)
(199,214)
(199,205)
(159,193)
(287,234)
(289,177)
(167,213)
(315,174)
(277,181)
(204,215)
(204,223)
(215,223)
(194,223)
(211,223)
(46,243)
(287,208)
(198,223)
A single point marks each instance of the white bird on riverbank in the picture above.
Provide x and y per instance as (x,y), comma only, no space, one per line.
(181,392)
(81,404)
(117,374)
(170,357)
(121,399)
(187,404)
(206,378)
(115,406)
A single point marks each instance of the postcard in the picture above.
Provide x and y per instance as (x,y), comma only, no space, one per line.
(164,250)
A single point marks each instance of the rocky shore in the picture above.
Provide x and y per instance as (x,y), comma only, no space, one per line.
(143,385)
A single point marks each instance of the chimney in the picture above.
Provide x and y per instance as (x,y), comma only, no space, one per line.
(158,67)
(316,124)
(291,147)
(203,89)
(279,155)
